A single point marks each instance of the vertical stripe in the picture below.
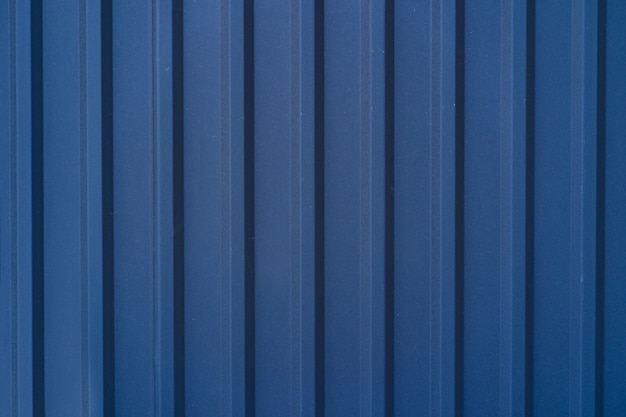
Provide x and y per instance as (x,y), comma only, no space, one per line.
(553,192)
(436,396)
(94,214)
(239,137)
(37,207)
(226,237)
(447,208)
(589,149)
(583,220)
(529,233)
(157,276)
(611,111)
(576,215)
(506,211)
(108,289)
(319,174)
(24,210)
(84,288)
(389,184)
(178,171)
(249,199)
(307,201)
(600,207)
(13,173)
(296,322)
(459,203)
(365,296)
(513,348)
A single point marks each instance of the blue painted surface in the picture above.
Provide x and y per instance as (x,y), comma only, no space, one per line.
(312,208)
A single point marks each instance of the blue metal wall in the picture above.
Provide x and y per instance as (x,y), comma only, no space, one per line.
(312,208)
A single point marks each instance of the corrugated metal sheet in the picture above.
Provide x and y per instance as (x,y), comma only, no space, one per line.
(309,207)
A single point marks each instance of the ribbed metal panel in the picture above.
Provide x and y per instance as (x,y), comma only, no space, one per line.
(312,208)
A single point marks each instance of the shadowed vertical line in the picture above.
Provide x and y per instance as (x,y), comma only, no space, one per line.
(600,207)
(296,213)
(13,133)
(530,203)
(459,198)
(389,205)
(178,205)
(37,207)
(248,39)
(84,282)
(319,209)
(108,310)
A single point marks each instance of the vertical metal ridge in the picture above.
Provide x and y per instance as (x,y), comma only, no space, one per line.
(600,206)
(365,168)
(514,205)
(296,212)
(506,385)
(520,204)
(389,206)
(446,302)
(24,209)
(155,239)
(575,220)
(13,147)
(167,204)
(178,162)
(530,207)
(459,202)
(435,255)
(589,221)
(446,208)
(37,207)
(94,215)
(579,275)
(108,307)
(84,281)
(319,197)
(225,238)
(249,208)
(459,217)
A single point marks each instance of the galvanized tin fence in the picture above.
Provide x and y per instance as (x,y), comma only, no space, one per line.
(309,207)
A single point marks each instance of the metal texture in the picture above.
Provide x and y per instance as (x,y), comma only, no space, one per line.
(312,208)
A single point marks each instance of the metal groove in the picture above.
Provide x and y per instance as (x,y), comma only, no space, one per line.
(108,283)
(320,203)
(390,223)
(178,156)
(37,155)
(249,208)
